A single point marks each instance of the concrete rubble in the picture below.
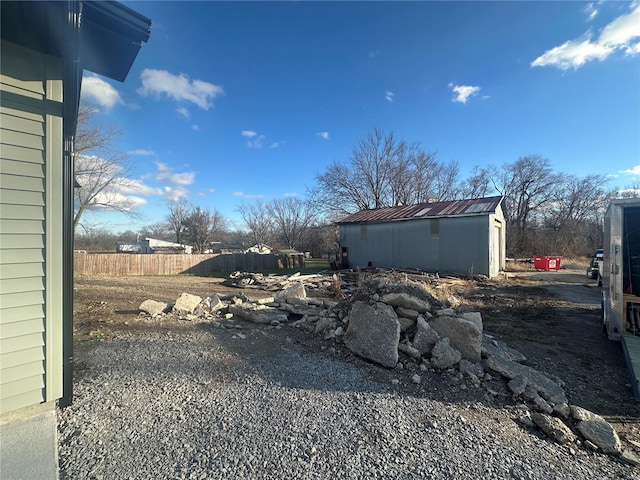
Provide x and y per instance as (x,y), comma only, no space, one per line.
(389,323)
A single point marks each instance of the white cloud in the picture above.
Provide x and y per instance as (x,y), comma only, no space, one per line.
(137,187)
(323,135)
(141,152)
(632,171)
(183,111)
(463,92)
(100,92)
(166,174)
(572,54)
(623,33)
(195,127)
(173,194)
(179,87)
(247,195)
(254,140)
(281,143)
(388,95)
(290,194)
(591,11)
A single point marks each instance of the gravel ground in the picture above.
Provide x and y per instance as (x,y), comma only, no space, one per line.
(205,403)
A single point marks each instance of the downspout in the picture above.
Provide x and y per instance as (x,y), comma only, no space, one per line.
(71,81)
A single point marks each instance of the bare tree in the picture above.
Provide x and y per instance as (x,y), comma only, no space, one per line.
(527,185)
(477,185)
(202,228)
(259,221)
(178,213)
(293,217)
(382,172)
(101,171)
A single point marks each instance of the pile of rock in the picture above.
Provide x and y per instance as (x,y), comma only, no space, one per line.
(383,321)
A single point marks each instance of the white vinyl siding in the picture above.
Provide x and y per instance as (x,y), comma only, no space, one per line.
(30,227)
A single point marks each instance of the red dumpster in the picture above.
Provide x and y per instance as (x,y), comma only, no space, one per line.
(546,263)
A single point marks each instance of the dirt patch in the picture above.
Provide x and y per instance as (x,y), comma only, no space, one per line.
(551,317)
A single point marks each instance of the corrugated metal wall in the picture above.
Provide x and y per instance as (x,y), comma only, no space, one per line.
(447,244)
(30,193)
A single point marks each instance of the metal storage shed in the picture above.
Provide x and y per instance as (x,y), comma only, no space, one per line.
(44,48)
(460,236)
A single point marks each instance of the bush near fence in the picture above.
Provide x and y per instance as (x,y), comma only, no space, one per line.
(122,264)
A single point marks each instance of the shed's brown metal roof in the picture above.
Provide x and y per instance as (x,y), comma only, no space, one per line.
(475,206)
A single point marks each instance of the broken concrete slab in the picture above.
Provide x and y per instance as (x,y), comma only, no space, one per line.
(443,355)
(475,318)
(374,333)
(553,428)
(491,347)
(425,337)
(296,290)
(539,383)
(153,307)
(186,303)
(597,430)
(463,335)
(258,313)
(407,313)
(405,300)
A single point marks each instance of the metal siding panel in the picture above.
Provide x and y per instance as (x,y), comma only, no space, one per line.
(11,167)
(16,314)
(11,137)
(21,255)
(24,342)
(22,211)
(21,270)
(19,124)
(16,109)
(25,370)
(20,182)
(22,227)
(20,400)
(20,241)
(18,358)
(21,299)
(22,154)
(17,197)
(25,284)
(17,387)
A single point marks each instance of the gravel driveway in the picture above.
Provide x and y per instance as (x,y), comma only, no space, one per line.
(266,402)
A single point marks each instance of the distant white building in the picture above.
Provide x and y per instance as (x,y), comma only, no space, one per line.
(153,245)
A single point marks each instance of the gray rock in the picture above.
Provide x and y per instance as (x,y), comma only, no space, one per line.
(425,337)
(409,350)
(463,335)
(323,323)
(494,348)
(406,301)
(447,312)
(553,428)
(407,313)
(186,303)
(406,323)
(597,430)
(518,384)
(153,307)
(443,355)
(374,333)
(536,381)
(472,370)
(416,378)
(258,314)
(294,291)
(475,318)
(216,304)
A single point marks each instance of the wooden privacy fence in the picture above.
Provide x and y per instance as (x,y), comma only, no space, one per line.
(122,264)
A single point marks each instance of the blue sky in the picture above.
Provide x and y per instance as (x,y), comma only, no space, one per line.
(231,102)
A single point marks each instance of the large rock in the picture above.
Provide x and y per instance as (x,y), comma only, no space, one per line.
(475,318)
(463,335)
(553,427)
(494,348)
(258,313)
(425,338)
(444,355)
(153,307)
(597,430)
(405,300)
(535,381)
(407,313)
(186,303)
(294,291)
(374,333)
